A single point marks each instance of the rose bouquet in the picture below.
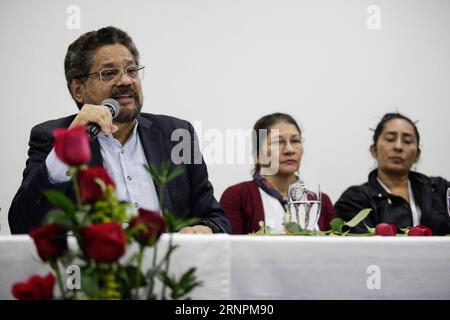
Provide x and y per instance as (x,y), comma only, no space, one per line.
(91,235)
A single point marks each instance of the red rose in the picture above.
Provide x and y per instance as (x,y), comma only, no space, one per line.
(50,240)
(90,189)
(36,288)
(385,229)
(152,224)
(420,231)
(311,196)
(72,145)
(104,242)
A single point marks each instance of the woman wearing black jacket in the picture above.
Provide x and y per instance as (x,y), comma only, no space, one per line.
(396,194)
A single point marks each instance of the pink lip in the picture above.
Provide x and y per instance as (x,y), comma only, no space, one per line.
(125,99)
(290,162)
(396,159)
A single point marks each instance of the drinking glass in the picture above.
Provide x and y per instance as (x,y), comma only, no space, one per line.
(304,203)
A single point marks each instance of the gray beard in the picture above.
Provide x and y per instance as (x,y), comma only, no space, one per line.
(126,115)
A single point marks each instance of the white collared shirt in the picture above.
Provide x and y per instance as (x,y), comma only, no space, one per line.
(274,213)
(125,165)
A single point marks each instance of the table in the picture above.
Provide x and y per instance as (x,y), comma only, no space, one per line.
(283,267)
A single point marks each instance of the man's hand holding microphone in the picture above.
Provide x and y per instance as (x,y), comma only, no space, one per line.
(98,118)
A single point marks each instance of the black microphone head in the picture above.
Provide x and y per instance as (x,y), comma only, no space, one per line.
(113,106)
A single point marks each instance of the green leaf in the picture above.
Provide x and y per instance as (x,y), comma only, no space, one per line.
(180,224)
(174,224)
(180,288)
(60,200)
(124,281)
(169,281)
(90,282)
(293,227)
(170,220)
(152,272)
(369,229)
(188,281)
(154,173)
(405,230)
(164,169)
(131,275)
(175,173)
(59,217)
(358,218)
(82,217)
(337,224)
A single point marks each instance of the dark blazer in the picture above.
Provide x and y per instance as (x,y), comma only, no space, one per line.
(429,194)
(188,195)
(244,208)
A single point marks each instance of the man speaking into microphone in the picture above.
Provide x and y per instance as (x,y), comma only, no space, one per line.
(104,76)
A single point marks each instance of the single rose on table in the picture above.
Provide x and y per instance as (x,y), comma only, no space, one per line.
(420,231)
(385,229)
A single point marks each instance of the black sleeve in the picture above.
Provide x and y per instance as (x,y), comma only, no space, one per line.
(203,202)
(29,205)
(351,202)
(441,209)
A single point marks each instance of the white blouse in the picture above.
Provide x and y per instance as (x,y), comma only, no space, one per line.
(274,213)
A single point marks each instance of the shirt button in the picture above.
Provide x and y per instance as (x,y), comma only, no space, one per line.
(136,205)
(129,178)
(122,151)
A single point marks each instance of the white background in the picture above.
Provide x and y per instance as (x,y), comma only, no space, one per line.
(226,63)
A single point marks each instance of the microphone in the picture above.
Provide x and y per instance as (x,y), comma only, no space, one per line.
(94,129)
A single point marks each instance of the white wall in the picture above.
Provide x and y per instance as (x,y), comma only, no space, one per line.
(226,63)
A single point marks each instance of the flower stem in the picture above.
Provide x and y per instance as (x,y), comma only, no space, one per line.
(76,187)
(161,197)
(54,265)
(138,270)
(152,281)
(163,293)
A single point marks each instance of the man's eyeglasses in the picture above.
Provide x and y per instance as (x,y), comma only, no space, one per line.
(107,75)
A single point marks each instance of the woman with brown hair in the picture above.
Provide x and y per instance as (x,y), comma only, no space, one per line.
(264,198)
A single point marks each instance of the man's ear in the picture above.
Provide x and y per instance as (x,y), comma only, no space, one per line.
(77,90)
(373,151)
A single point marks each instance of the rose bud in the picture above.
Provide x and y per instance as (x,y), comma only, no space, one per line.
(50,240)
(72,145)
(420,231)
(150,225)
(104,242)
(90,189)
(35,288)
(385,229)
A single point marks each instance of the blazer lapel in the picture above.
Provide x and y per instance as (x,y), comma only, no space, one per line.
(153,145)
(96,159)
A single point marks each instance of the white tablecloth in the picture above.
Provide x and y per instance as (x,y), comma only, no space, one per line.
(283,267)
